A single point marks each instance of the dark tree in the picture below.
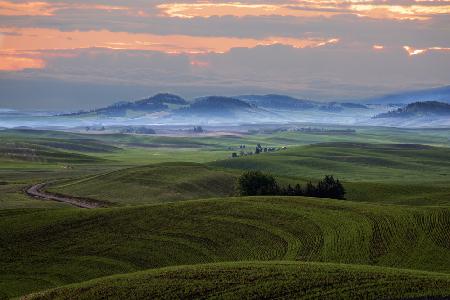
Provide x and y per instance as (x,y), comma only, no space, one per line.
(289,191)
(258,149)
(298,190)
(255,183)
(311,190)
(198,129)
(330,188)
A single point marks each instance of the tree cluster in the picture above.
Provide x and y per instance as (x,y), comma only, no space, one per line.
(198,129)
(255,183)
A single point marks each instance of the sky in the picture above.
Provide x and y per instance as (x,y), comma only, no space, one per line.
(84,54)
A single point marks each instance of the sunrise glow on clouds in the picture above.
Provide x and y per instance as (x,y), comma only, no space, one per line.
(411,35)
(26,39)
(51,39)
(420,10)
(34,39)
(8,8)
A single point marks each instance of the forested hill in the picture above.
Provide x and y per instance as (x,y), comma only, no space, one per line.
(419,109)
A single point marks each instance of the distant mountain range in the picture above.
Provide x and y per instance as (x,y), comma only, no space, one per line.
(419,109)
(227,106)
(281,102)
(272,108)
(441,94)
(217,106)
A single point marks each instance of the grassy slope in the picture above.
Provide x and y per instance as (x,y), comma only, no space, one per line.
(153,184)
(42,248)
(256,280)
(390,173)
(395,173)
(48,248)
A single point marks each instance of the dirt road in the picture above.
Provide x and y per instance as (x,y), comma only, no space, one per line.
(37,191)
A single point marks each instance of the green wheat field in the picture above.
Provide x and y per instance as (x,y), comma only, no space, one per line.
(174,226)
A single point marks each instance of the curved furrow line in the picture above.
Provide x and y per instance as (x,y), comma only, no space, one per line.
(293,244)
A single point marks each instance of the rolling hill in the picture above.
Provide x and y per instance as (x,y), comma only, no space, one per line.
(420,109)
(278,102)
(152,184)
(215,106)
(44,248)
(172,109)
(156,103)
(159,238)
(390,173)
(52,151)
(248,280)
(441,94)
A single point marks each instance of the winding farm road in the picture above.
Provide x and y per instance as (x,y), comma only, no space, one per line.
(37,191)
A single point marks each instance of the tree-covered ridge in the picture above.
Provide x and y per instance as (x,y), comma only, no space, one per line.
(427,108)
(158,102)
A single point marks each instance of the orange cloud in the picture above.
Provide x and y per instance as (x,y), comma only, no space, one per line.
(412,51)
(26,9)
(206,9)
(10,61)
(405,12)
(417,10)
(199,63)
(52,39)
(40,8)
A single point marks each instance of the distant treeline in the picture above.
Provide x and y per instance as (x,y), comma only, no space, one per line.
(255,183)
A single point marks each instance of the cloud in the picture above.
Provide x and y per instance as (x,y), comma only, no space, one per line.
(8,8)
(320,49)
(414,51)
(41,8)
(347,27)
(414,10)
(27,39)
(17,62)
(330,72)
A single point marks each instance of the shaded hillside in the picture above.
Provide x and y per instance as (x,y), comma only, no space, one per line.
(53,150)
(159,102)
(153,184)
(217,106)
(283,102)
(419,109)
(273,101)
(390,173)
(74,246)
(435,94)
(265,280)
